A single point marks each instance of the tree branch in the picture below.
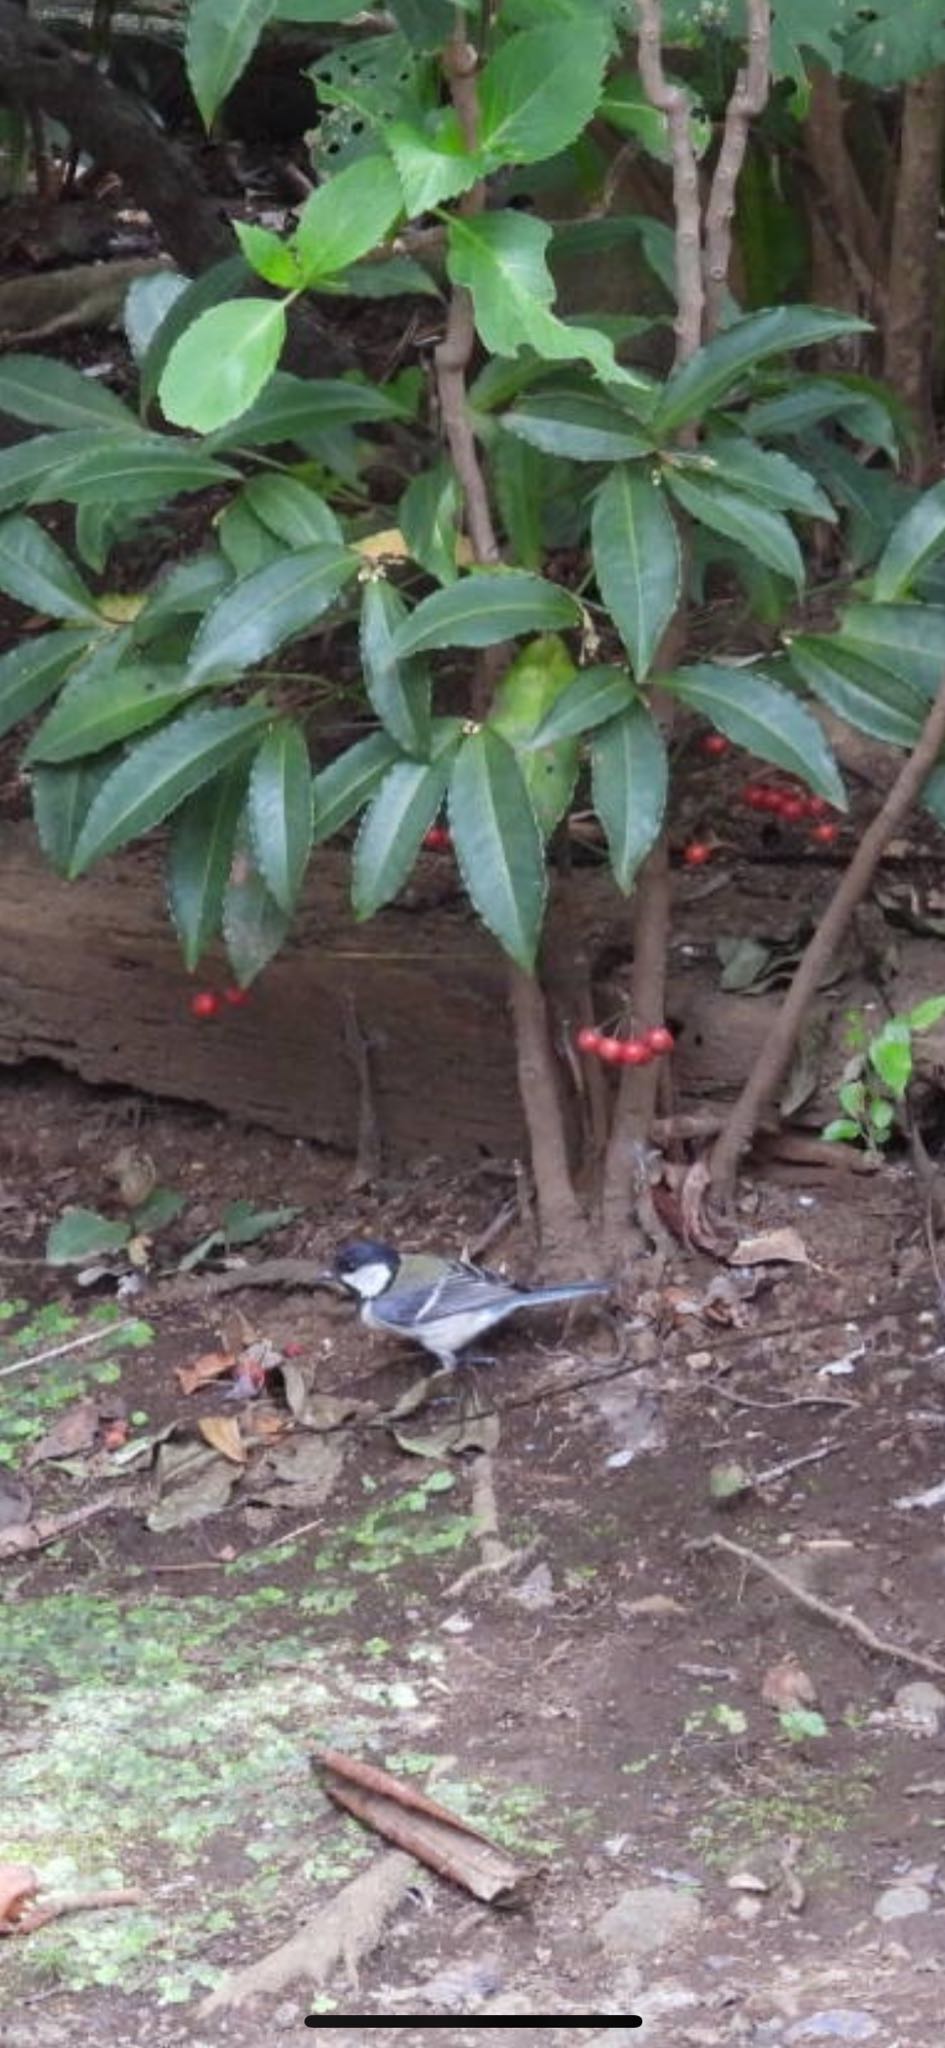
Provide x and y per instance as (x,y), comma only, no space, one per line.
(748,99)
(673,101)
(779,1045)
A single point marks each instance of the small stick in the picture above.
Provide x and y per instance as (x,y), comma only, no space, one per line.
(773,1472)
(779,1407)
(849,1624)
(84,1902)
(103,1335)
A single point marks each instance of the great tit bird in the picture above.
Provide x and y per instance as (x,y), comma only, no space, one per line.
(443,1304)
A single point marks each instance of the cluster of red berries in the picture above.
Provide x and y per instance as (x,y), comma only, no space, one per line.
(437,840)
(794,806)
(626,1052)
(207,1002)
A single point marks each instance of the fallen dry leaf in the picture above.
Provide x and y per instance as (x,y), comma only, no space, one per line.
(211,1365)
(786,1685)
(222,1433)
(75,1431)
(771,1247)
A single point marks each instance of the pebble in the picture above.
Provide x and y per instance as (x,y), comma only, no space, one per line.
(920,1705)
(646,1918)
(901,1901)
(841,2024)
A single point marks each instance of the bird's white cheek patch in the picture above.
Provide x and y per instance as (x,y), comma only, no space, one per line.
(370,1281)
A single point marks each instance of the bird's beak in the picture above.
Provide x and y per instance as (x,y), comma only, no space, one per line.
(327,1278)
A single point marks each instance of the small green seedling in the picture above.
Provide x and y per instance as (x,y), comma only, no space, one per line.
(877,1075)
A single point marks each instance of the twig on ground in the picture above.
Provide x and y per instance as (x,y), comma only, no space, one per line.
(838,1617)
(778,1407)
(773,1472)
(105,1333)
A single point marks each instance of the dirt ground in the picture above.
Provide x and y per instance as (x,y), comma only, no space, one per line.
(585,1683)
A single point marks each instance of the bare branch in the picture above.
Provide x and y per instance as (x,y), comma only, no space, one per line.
(454,354)
(673,101)
(749,98)
(779,1044)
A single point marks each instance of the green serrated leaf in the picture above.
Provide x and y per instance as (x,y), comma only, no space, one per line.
(745,705)
(200,859)
(399,689)
(34,570)
(254,924)
(483,609)
(62,799)
(629,779)
(924,1015)
(594,696)
(637,561)
(280,811)
(31,671)
(873,699)
(583,426)
(221,37)
(497,843)
(140,471)
(906,639)
(292,511)
(718,368)
(82,1234)
(260,611)
(753,526)
(348,215)
(269,255)
(500,258)
(540,90)
(160,772)
(428,519)
(219,366)
(390,838)
(48,393)
(913,543)
(528,691)
(890,1055)
(100,708)
(768,478)
(348,783)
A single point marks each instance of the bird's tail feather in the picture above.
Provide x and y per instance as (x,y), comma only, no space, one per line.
(574,1290)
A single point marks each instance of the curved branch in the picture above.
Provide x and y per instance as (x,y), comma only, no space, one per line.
(779,1045)
(748,99)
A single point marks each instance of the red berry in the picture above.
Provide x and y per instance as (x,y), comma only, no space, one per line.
(769,799)
(816,806)
(610,1050)
(714,744)
(587,1039)
(754,795)
(635,1052)
(793,808)
(204,1003)
(660,1039)
(697,853)
(824,835)
(437,839)
(236,996)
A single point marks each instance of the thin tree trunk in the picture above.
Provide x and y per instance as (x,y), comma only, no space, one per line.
(914,261)
(773,1060)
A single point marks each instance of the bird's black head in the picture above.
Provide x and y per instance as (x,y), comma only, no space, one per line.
(366,1267)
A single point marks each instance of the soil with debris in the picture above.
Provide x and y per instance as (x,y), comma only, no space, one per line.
(724,1810)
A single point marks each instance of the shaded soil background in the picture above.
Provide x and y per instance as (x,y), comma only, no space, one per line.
(596,1705)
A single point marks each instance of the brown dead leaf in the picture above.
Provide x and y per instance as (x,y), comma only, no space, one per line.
(18,1888)
(787,1685)
(235,1331)
(75,1431)
(771,1247)
(211,1365)
(223,1434)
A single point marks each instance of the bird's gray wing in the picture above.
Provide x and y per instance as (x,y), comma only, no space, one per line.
(458,1291)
